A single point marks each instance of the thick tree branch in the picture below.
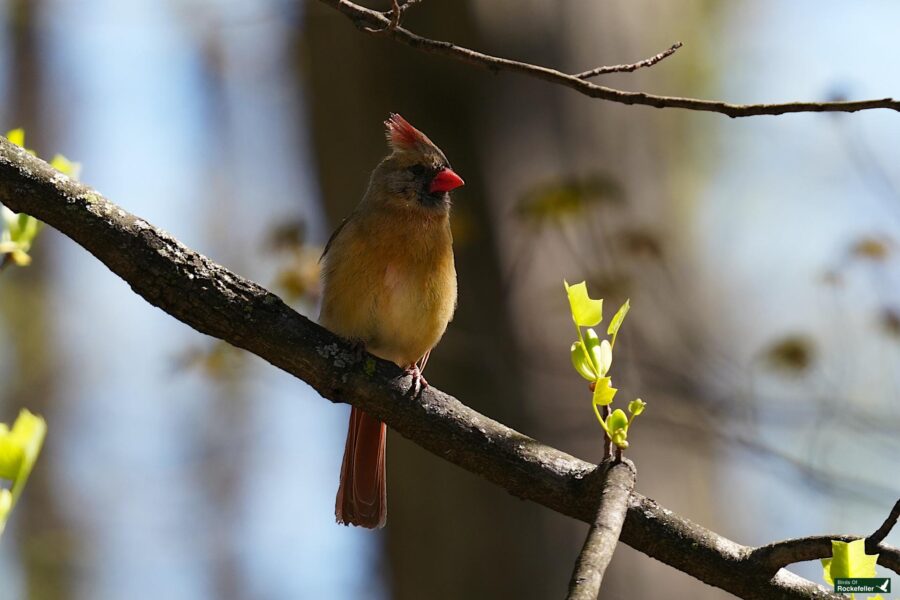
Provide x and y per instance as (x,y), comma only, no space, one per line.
(371,20)
(603,535)
(215,301)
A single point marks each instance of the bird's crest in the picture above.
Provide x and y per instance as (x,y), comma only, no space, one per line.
(403,137)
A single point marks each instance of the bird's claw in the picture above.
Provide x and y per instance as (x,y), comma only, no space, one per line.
(418,380)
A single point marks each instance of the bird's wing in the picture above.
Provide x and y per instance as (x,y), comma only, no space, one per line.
(334,236)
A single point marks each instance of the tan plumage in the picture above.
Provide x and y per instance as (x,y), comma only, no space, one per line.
(390,283)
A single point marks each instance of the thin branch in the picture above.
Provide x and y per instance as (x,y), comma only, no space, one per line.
(603,536)
(365,18)
(630,67)
(217,302)
(408,4)
(393,19)
(882,532)
(778,555)
(781,554)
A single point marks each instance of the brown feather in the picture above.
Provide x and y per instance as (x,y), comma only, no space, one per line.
(362,494)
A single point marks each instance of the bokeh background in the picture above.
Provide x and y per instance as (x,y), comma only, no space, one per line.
(760,256)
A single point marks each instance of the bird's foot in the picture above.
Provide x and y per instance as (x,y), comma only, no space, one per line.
(418,380)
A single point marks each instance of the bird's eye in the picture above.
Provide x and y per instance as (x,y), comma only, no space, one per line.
(417,170)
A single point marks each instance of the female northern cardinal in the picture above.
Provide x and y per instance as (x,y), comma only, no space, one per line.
(390,284)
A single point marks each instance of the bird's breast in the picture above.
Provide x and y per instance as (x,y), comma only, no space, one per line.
(392,287)
(414,305)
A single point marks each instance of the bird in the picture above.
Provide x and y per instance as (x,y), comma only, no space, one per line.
(389,286)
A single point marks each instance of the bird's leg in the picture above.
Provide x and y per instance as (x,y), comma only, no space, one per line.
(418,380)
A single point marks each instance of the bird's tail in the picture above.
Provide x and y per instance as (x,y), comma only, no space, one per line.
(362,494)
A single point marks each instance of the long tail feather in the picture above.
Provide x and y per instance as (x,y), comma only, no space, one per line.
(362,494)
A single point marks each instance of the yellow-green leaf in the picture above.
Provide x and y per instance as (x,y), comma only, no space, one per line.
(585,311)
(16,136)
(617,319)
(601,354)
(5,507)
(603,391)
(10,455)
(592,345)
(617,420)
(20,447)
(567,197)
(636,407)
(21,258)
(581,362)
(617,426)
(64,165)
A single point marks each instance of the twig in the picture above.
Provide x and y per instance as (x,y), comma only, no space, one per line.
(367,20)
(882,532)
(408,4)
(394,21)
(778,555)
(607,441)
(631,67)
(781,554)
(220,303)
(603,536)
(5,262)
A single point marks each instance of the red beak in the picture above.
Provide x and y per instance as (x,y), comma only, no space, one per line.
(445,181)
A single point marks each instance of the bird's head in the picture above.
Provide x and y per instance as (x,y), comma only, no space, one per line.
(416,174)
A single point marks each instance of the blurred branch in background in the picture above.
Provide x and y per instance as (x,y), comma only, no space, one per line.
(217,302)
(388,24)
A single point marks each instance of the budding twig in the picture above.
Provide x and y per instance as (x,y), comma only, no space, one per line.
(375,22)
(630,67)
